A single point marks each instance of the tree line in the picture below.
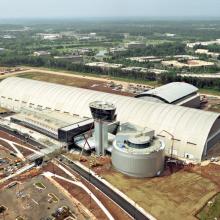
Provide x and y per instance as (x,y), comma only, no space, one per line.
(165,49)
(164,78)
(49,62)
(205,83)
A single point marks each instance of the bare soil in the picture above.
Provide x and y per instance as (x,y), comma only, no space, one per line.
(178,194)
(77,193)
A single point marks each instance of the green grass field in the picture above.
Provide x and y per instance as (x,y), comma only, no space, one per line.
(33,74)
(212,210)
(210,91)
(178,196)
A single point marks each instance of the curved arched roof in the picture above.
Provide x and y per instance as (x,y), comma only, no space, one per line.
(187,125)
(171,92)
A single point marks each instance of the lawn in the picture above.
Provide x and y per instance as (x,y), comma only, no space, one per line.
(53,197)
(211,210)
(210,91)
(38,76)
(39,185)
(178,196)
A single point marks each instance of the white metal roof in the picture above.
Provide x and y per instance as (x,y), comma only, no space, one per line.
(190,127)
(171,92)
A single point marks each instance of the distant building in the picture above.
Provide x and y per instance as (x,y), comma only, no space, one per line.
(144,70)
(202,51)
(169,35)
(84,51)
(88,37)
(116,50)
(68,34)
(41,53)
(206,52)
(7,36)
(135,45)
(202,75)
(93,35)
(126,35)
(135,69)
(205,43)
(50,36)
(85,38)
(101,54)
(189,63)
(145,59)
(157,71)
(104,65)
(183,57)
(177,93)
(73,58)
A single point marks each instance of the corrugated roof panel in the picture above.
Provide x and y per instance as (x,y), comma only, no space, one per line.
(171,92)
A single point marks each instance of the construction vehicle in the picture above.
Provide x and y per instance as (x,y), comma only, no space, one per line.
(94,161)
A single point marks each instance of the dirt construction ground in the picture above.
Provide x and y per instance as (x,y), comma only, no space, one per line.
(33,203)
(75,191)
(213,104)
(15,140)
(180,195)
(114,209)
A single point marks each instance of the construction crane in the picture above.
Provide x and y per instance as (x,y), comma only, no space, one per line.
(86,142)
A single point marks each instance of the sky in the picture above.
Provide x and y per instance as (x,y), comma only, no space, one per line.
(108,8)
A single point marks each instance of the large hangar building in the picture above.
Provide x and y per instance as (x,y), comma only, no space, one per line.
(176,93)
(191,132)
